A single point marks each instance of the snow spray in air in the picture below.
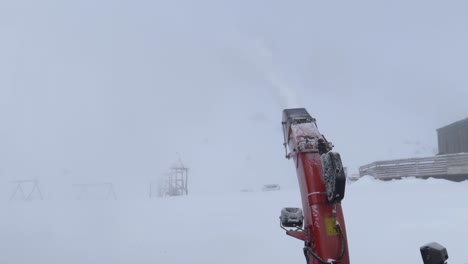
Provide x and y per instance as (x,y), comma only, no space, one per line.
(286,95)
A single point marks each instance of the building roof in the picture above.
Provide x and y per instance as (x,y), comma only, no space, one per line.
(455,124)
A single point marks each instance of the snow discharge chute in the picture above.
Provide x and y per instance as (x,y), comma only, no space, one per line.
(322,185)
(320,173)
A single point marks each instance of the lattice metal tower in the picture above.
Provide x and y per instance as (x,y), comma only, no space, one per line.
(174,183)
(178,181)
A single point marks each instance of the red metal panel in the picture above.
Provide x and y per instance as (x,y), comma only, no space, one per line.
(318,212)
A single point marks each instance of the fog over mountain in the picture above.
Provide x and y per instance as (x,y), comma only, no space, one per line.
(94,91)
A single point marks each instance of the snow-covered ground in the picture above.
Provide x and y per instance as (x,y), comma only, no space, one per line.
(386,222)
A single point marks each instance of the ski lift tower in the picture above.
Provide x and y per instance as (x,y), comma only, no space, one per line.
(178,180)
(173,183)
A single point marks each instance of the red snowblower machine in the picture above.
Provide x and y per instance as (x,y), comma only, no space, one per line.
(322,180)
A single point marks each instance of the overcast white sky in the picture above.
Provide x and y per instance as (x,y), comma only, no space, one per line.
(95,91)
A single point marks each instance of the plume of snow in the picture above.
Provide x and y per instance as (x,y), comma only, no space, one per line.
(262,57)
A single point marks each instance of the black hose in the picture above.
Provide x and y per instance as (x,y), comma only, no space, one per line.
(342,253)
(343,242)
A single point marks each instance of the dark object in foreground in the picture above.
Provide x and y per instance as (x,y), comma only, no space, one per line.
(434,253)
(292,217)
